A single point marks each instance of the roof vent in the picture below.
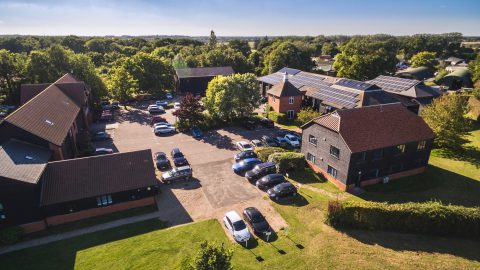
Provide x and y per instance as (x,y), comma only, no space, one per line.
(28,157)
(49,122)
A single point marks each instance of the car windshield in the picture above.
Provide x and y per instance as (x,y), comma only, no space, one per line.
(161,157)
(246,145)
(293,139)
(178,155)
(257,217)
(239,225)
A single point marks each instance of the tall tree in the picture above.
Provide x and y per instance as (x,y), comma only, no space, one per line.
(212,42)
(241,46)
(225,56)
(190,113)
(329,48)
(424,59)
(475,69)
(232,97)
(74,43)
(178,62)
(121,84)
(287,55)
(11,75)
(364,58)
(446,117)
(212,256)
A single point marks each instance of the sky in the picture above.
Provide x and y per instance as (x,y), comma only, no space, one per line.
(238,17)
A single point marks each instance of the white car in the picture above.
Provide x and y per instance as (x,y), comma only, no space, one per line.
(244,146)
(155,109)
(161,103)
(163,129)
(169,95)
(162,124)
(257,143)
(236,226)
(176,105)
(292,140)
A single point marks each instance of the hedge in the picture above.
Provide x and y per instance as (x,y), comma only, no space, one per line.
(288,161)
(264,152)
(279,118)
(10,235)
(424,218)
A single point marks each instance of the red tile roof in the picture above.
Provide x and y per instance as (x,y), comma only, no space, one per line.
(284,89)
(75,179)
(376,127)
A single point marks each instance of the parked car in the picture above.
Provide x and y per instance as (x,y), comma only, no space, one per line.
(176,105)
(245,165)
(178,157)
(268,141)
(161,103)
(260,171)
(270,181)
(157,119)
(244,146)
(155,109)
(299,137)
(115,105)
(282,190)
(257,143)
(176,174)
(244,154)
(161,160)
(161,124)
(280,141)
(163,129)
(196,132)
(236,226)
(249,124)
(292,140)
(256,220)
(268,123)
(106,116)
(169,95)
(103,151)
(101,136)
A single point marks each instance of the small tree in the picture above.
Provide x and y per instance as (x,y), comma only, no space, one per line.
(212,256)
(424,59)
(305,115)
(190,113)
(446,117)
(121,84)
(212,41)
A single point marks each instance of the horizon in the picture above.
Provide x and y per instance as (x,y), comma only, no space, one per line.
(251,19)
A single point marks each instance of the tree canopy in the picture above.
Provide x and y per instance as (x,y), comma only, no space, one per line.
(212,256)
(424,59)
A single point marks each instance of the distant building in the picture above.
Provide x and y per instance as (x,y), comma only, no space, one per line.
(418,73)
(368,145)
(454,61)
(195,80)
(456,80)
(285,98)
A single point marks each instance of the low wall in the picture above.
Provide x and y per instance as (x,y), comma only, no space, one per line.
(34,227)
(94,212)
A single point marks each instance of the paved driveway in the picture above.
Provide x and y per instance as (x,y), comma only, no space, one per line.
(216,189)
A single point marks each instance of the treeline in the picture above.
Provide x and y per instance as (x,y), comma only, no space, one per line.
(147,66)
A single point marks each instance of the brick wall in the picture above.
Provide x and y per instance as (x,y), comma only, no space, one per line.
(330,178)
(60,219)
(34,226)
(281,104)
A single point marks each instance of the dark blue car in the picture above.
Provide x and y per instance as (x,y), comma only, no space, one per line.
(245,165)
(196,132)
(244,155)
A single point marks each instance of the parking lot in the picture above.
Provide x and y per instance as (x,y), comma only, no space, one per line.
(215,188)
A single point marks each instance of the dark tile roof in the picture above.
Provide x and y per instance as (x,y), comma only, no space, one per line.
(204,72)
(298,79)
(22,161)
(28,91)
(285,89)
(75,90)
(376,127)
(81,178)
(68,78)
(381,97)
(49,115)
(357,85)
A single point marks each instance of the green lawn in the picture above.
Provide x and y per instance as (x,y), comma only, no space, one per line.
(309,177)
(310,244)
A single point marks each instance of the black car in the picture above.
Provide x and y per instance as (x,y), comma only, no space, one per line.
(249,124)
(161,160)
(101,136)
(178,157)
(244,154)
(270,181)
(260,170)
(268,141)
(256,220)
(268,123)
(282,190)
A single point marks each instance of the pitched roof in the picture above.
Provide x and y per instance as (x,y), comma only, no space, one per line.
(404,87)
(418,73)
(28,91)
(376,127)
(204,72)
(22,161)
(81,178)
(49,115)
(74,90)
(284,89)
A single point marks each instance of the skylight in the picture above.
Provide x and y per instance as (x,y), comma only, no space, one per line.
(49,122)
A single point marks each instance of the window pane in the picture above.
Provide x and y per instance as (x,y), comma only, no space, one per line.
(1,206)
(104,200)
(109,198)
(99,201)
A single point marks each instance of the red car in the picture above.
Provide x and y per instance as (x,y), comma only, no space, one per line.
(157,119)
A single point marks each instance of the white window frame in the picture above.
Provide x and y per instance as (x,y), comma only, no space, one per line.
(291,100)
(421,145)
(331,154)
(310,137)
(312,158)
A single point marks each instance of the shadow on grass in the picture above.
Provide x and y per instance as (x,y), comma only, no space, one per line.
(272,238)
(306,176)
(468,154)
(62,254)
(297,200)
(465,248)
(435,184)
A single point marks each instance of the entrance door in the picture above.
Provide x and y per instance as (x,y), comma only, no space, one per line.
(290,114)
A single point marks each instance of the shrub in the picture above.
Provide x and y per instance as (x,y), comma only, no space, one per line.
(288,161)
(424,218)
(264,152)
(212,256)
(279,118)
(10,235)
(305,115)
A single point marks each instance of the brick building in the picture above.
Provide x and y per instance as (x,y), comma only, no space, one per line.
(364,146)
(285,98)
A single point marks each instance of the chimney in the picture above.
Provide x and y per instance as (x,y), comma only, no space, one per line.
(285,77)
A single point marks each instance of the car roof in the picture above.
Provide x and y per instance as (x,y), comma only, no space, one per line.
(266,164)
(274,175)
(161,126)
(183,168)
(252,211)
(256,140)
(286,184)
(251,159)
(233,216)
(176,150)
